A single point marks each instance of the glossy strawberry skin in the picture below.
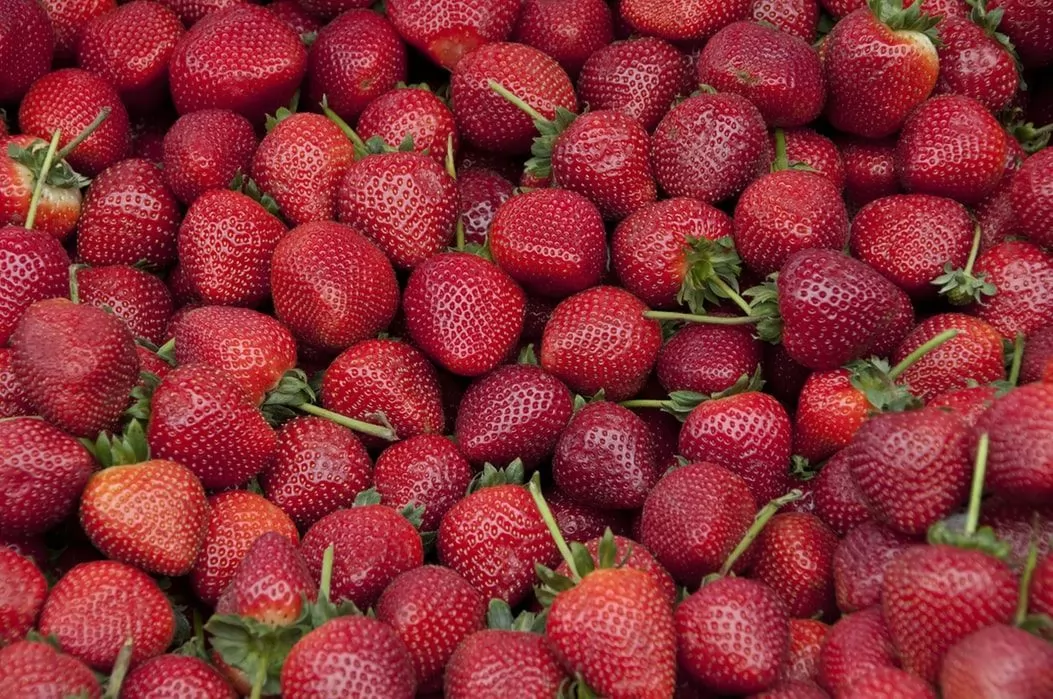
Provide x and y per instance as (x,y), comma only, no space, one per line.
(174,676)
(685,20)
(204,150)
(412,112)
(39,669)
(837,498)
(496,662)
(707,358)
(271,583)
(481,193)
(974,356)
(1031,198)
(1020,465)
(859,564)
(568,30)
(1023,276)
(996,660)
(794,556)
(137,298)
(447,31)
(856,645)
(241,58)
(33,266)
(29,57)
(22,592)
(974,64)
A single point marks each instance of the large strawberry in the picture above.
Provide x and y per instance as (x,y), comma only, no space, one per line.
(22,591)
(1022,275)
(204,150)
(997,661)
(1031,198)
(27,45)
(170,676)
(684,20)
(1020,466)
(447,30)
(33,267)
(859,564)
(426,470)
(36,668)
(568,30)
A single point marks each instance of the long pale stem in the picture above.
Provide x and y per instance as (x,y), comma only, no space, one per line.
(920,352)
(38,188)
(534,487)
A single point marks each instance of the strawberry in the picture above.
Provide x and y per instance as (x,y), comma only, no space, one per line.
(888,682)
(684,20)
(838,500)
(130,47)
(139,299)
(373,544)
(408,229)
(27,45)
(355,59)
(1019,423)
(240,58)
(226,242)
(1022,275)
(484,118)
(173,677)
(1029,28)
(1037,363)
(975,62)
(830,410)
(202,418)
(345,655)
(36,668)
(997,661)
(97,606)
(22,593)
(463,312)
(599,339)
(797,17)
(299,163)
(432,609)
(503,662)
(880,63)
(709,147)
(13,401)
(857,645)
(817,152)
(59,205)
(514,412)
(481,193)
(33,267)
(447,31)
(870,169)
(973,356)
(416,113)
(860,561)
(47,108)
(778,72)
(806,642)
(794,557)
(389,379)
(236,520)
(568,30)
(707,359)
(1031,198)
(204,150)
(693,517)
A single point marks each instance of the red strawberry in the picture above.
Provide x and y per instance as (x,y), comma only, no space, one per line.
(709,147)
(707,359)
(806,642)
(432,609)
(796,17)
(389,378)
(857,645)
(175,677)
(860,562)
(35,668)
(446,31)
(463,312)
(27,44)
(130,47)
(345,655)
(568,30)
(838,500)
(240,58)
(1022,275)
(97,606)
(355,59)
(236,520)
(272,584)
(975,63)
(33,267)
(888,682)
(934,596)
(485,119)
(880,64)
(1029,28)
(733,636)
(22,591)
(13,401)
(998,661)
(974,355)
(139,299)
(830,410)
(226,242)
(694,517)
(501,662)
(372,545)
(202,418)
(639,77)
(1037,363)
(684,20)
(416,113)
(426,470)
(1031,198)
(794,556)
(59,205)
(68,19)
(204,150)
(1020,465)
(817,152)
(412,227)
(481,193)
(870,169)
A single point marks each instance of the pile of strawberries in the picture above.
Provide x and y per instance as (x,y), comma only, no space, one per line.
(516,349)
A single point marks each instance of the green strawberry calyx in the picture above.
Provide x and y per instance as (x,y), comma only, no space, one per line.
(549,130)
(960,286)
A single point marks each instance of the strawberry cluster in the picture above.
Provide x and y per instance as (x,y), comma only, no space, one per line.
(526,349)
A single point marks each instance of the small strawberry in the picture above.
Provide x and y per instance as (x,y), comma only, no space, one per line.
(857,645)
(1022,275)
(175,677)
(888,682)
(806,643)
(481,193)
(708,359)
(794,556)
(205,149)
(426,471)
(860,561)
(976,61)
(414,112)
(1031,198)
(838,500)
(1029,28)
(38,669)
(1020,425)
(805,147)
(870,169)
(446,31)
(998,661)
(33,267)
(27,45)
(568,30)
(796,17)
(22,592)
(139,299)
(503,662)
(96,607)
(973,356)
(685,20)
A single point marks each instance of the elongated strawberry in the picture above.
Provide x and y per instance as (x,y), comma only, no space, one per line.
(859,564)
(857,645)
(685,20)
(204,150)
(1022,275)
(22,595)
(33,267)
(424,470)
(172,676)
(25,23)
(36,668)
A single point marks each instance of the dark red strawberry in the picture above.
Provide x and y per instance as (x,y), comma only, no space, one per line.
(481,193)
(1031,198)
(96,607)
(240,58)
(684,20)
(709,147)
(355,59)
(36,668)
(28,45)
(974,62)
(503,662)
(1037,363)
(13,400)
(857,645)
(415,113)
(973,356)
(708,359)
(888,682)
(205,150)
(33,267)
(426,470)
(68,19)
(1030,30)
(432,609)
(794,556)
(806,642)
(796,17)
(879,64)
(568,30)
(860,561)
(805,147)
(838,500)
(22,592)
(870,169)
(1020,465)
(998,661)
(1022,275)
(60,203)
(139,299)
(175,677)
(447,30)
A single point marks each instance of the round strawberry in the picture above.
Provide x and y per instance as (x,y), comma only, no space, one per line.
(204,150)
(870,169)
(415,113)
(796,17)
(36,668)
(33,267)
(27,45)
(1020,465)
(1032,197)
(22,592)
(448,30)
(174,677)
(568,30)
(685,20)
(838,500)
(973,356)
(502,662)
(860,561)
(794,556)
(975,63)
(707,358)
(139,299)
(1022,275)
(425,470)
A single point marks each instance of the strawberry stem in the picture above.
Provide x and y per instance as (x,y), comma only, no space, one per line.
(1018,358)
(516,101)
(782,162)
(103,114)
(692,318)
(920,352)
(534,486)
(972,517)
(759,522)
(1023,598)
(38,187)
(356,141)
(350,422)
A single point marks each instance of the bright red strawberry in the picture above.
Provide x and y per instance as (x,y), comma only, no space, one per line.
(97,606)
(130,47)
(794,557)
(22,592)
(13,400)
(503,662)
(710,147)
(1029,28)
(345,655)
(68,19)
(204,150)
(240,58)
(1037,363)
(139,299)
(485,119)
(934,596)
(415,112)
(856,645)
(880,64)
(481,193)
(694,517)
(202,418)
(797,17)
(808,148)
(744,651)
(412,227)
(60,203)
(271,584)
(1031,198)
(870,169)
(806,642)
(355,59)
(463,312)
(838,500)
(998,661)
(973,356)
(446,31)
(236,520)
(568,30)
(1020,465)
(175,677)
(38,669)
(975,63)
(70,100)
(432,609)
(888,682)
(226,242)
(1022,275)
(860,562)
(683,20)
(707,358)
(27,45)
(33,267)
(830,410)
(372,545)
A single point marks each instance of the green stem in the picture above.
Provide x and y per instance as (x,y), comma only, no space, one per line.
(517,102)
(972,517)
(644,403)
(550,521)
(782,162)
(759,522)
(692,318)
(356,140)
(103,114)
(325,584)
(350,422)
(731,294)
(38,187)
(920,352)
(1018,359)
(974,250)
(1024,597)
